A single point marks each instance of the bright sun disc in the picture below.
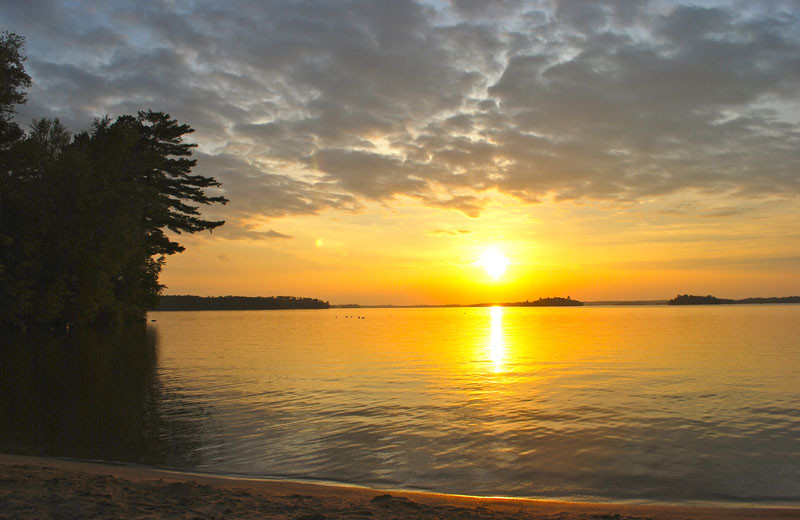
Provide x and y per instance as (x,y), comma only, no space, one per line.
(495,263)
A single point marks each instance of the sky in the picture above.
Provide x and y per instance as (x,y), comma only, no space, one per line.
(373,151)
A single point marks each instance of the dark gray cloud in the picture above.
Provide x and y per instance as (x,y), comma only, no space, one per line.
(309,105)
(481,8)
(254,190)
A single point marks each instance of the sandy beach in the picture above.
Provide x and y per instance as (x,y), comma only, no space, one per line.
(34,487)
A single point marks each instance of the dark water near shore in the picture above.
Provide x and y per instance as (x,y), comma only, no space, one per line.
(628,403)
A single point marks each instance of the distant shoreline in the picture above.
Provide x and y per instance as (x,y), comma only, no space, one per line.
(691,299)
(237,303)
(518,304)
(220,303)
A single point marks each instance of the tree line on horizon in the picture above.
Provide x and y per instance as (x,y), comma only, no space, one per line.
(691,299)
(244,303)
(83,216)
(552,301)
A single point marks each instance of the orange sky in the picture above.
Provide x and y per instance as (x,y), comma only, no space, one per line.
(408,254)
(373,150)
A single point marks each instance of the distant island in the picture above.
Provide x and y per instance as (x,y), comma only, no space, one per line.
(241,303)
(627,302)
(691,299)
(237,303)
(541,302)
(556,301)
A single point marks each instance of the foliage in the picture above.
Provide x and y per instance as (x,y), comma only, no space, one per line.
(555,301)
(225,303)
(13,80)
(82,217)
(691,299)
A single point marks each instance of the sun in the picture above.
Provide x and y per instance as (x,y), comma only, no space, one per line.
(495,263)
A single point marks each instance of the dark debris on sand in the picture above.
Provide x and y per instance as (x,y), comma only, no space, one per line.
(37,492)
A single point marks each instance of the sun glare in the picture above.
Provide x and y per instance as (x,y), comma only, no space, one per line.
(495,263)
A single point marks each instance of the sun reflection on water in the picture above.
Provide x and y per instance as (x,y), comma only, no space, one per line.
(497,347)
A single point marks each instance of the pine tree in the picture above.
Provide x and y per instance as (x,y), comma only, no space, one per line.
(84,218)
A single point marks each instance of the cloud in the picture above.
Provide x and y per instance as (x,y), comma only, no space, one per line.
(239,231)
(303,107)
(274,234)
(449,232)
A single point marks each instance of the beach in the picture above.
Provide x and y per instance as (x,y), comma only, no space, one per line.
(37,487)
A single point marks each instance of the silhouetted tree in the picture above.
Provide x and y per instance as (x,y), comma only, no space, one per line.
(82,218)
(218,303)
(13,81)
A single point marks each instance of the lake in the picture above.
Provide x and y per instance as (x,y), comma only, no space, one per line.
(695,404)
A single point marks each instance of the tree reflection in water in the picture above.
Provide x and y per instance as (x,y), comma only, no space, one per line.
(98,395)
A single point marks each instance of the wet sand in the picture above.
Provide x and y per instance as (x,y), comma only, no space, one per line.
(34,487)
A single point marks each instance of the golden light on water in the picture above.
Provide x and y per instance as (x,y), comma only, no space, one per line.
(497,346)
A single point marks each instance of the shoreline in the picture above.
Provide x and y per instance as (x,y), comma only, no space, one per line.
(37,487)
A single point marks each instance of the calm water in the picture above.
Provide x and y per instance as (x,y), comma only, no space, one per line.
(643,403)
